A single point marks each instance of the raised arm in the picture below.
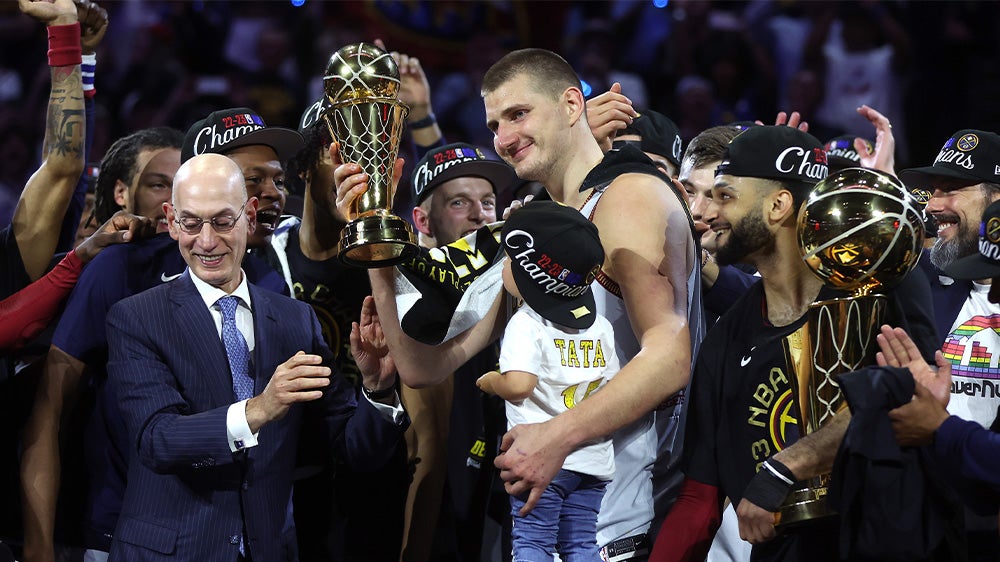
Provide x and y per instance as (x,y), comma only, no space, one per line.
(419,364)
(26,313)
(609,113)
(43,203)
(415,92)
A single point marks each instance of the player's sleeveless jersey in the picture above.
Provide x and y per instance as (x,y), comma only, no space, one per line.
(648,450)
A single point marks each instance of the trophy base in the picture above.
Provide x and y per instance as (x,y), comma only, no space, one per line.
(377,241)
(802,506)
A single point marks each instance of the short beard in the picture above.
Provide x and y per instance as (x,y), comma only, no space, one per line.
(944,252)
(747,236)
(965,243)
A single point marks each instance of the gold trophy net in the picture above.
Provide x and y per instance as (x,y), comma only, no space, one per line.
(363,114)
(860,231)
(838,337)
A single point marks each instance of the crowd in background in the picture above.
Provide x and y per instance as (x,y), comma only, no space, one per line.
(700,62)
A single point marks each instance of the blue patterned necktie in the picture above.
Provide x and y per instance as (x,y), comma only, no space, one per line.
(236,349)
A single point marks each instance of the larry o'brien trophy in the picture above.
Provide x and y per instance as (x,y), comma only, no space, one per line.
(361,86)
(860,231)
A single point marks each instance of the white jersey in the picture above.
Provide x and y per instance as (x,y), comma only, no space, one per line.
(570,365)
(647,452)
(973,348)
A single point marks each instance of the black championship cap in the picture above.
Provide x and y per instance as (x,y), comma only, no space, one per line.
(777,153)
(311,116)
(840,152)
(232,128)
(659,135)
(970,155)
(986,263)
(458,160)
(554,253)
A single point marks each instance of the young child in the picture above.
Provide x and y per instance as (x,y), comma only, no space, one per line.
(556,351)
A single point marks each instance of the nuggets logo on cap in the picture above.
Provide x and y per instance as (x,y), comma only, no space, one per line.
(992,227)
(921,195)
(554,253)
(970,155)
(968,142)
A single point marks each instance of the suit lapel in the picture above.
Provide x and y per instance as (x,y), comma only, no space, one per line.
(201,339)
(265,324)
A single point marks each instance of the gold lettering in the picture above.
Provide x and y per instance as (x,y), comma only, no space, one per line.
(478,448)
(761,450)
(777,375)
(754,413)
(764,395)
(586,346)
(561,346)
(599,356)
(572,359)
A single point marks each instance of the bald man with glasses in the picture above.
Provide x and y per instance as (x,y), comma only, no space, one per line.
(215,379)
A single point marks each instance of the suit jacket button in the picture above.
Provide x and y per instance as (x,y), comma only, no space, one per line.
(235,539)
(246,485)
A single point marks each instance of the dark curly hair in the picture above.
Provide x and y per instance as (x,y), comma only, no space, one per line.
(119,163)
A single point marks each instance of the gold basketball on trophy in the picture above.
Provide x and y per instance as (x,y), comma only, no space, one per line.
(859,231)
(361,85)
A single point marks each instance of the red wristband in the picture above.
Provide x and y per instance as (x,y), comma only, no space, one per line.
(64,45)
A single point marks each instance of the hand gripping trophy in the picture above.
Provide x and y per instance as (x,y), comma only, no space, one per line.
(363,114)
(859,231)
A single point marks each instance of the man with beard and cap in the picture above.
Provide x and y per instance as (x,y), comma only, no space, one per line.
(969,452)
(742,378)
(963,181)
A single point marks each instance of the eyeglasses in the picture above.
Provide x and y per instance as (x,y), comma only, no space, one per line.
(222,223)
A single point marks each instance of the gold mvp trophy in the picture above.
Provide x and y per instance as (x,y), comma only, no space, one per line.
(361,87)
(860,231)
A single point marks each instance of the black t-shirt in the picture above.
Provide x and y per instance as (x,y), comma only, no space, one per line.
(336,292)
(742,408)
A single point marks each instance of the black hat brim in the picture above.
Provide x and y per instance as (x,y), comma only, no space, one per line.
(499,174)
(554,309)
(285,142)
(925,177)
(973,267)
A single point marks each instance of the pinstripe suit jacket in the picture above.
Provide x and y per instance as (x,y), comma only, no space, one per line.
(188,496)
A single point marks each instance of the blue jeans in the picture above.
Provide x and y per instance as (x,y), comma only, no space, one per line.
(564,520)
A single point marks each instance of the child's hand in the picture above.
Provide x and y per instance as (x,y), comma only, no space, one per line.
(485,382)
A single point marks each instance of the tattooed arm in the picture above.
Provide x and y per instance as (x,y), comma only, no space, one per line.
(38,217)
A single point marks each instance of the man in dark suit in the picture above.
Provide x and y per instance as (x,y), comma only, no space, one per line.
(215,378)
